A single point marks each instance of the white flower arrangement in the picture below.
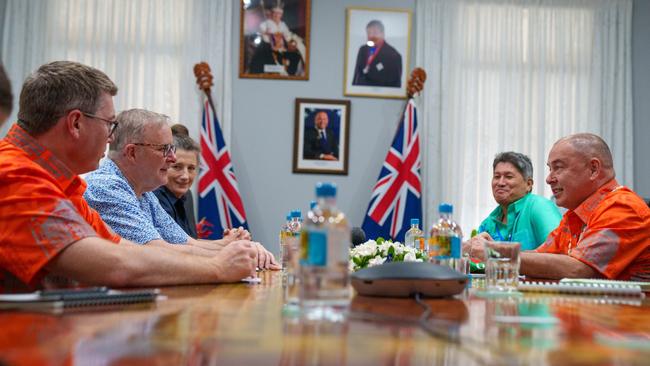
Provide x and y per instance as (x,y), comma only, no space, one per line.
(373,253)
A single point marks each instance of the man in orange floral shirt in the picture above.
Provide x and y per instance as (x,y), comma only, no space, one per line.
(606,232)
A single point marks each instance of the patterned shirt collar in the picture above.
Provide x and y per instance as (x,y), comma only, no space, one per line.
(587,207)
(108,166)
(68,180)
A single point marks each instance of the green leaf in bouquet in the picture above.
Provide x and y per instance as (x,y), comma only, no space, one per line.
(380,240)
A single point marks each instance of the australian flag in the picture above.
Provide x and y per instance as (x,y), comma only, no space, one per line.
(397,196)
(219,200)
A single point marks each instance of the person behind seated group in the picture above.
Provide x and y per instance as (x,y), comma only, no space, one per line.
(6,98)
(604,233)
(521,215)
(175,196)
(49,236)
(121,190)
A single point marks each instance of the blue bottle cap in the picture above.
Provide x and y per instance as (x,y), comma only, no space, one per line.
(415,222)
(445,208)
(296,213)
(325,189)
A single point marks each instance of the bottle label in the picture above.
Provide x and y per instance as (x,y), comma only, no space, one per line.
(455,247)
(302,250)
(420,243)
(440,247)
(316,253)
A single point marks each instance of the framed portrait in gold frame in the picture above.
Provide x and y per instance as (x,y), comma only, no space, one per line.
(274,39)
(377,48)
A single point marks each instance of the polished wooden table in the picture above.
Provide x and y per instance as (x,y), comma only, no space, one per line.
(243,325)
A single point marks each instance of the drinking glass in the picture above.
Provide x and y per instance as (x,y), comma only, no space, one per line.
(501,265)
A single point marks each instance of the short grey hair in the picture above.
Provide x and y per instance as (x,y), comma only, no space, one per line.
(520,161)
(57,88)
(132,125)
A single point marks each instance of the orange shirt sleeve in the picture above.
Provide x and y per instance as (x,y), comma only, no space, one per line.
(616,236)
(37,220)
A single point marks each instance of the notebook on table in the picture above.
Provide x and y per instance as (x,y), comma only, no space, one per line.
(645,286)
(586,287)
(58,300)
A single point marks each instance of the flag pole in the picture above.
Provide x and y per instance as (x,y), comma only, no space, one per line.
(204,80)
(414,86)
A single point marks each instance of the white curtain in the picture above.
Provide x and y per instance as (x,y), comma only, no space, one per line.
(147,47)
(518,75)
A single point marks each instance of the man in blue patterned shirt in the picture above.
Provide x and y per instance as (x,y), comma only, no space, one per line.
(121,190)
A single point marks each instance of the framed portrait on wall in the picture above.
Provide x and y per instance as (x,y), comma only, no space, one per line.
(321,136)
(274,39)
(377,45)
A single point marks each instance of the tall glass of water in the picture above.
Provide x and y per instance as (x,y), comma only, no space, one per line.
(501,265)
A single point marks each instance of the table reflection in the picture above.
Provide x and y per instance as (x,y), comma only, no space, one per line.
(245,324)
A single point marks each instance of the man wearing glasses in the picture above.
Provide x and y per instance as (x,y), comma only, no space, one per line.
(49,236)
(121,190)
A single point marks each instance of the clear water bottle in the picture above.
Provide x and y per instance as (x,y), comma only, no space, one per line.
(324,280)
(445,239)
(290,260)
(295,224)
(414,237)
(284,231)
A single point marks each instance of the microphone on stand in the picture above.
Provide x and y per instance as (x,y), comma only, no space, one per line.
(358,236)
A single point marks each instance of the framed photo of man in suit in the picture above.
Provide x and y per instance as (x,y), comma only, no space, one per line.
(321,136)
(377,47)
(274,39)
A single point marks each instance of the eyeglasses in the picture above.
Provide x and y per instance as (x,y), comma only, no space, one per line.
(112,124)
(166,149)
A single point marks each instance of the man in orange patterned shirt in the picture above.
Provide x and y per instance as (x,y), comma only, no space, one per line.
(49,236)
(606,232)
